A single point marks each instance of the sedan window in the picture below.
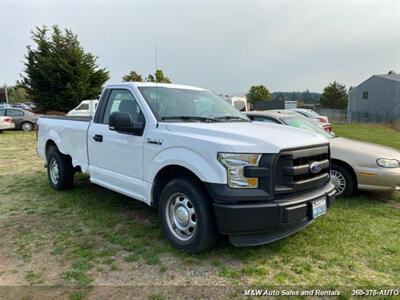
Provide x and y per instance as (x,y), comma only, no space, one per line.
(15,113)
(262,119)
(303,123)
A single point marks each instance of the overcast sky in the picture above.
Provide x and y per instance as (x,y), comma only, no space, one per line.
(225,46)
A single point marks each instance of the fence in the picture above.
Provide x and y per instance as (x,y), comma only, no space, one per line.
(334,115)
(366,117)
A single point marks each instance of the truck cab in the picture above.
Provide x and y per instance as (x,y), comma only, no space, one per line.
(206,168)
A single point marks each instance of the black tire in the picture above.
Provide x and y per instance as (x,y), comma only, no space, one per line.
(350,183)
(205,234)
(27,126)
(65,169)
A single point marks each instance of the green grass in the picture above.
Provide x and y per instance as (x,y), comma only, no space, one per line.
(87,231)
(374,133)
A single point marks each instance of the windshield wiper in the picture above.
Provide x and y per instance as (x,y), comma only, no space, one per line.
(188,118)
(231,118)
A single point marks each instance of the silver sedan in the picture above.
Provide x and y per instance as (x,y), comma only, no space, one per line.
(355,164)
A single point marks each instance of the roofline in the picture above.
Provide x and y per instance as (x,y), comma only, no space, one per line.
(382,76)
(155,84)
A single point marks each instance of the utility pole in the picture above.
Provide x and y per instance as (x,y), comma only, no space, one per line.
(5,90)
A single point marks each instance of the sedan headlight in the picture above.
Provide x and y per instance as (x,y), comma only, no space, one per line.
(388,163)
(235,164)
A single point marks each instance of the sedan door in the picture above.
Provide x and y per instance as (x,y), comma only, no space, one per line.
(17,116)
(116,159)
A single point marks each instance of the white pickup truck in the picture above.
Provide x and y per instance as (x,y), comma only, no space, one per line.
(206,167)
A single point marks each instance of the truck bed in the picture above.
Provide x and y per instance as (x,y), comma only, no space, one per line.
(69,118)
(69,133)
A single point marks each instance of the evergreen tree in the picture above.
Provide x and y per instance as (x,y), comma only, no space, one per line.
(158,76)
(58,73)
(132,76)
(258,93)
(334,96)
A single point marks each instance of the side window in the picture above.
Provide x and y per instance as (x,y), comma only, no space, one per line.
(2,112)
(263,119)
(14,113)
(122,101)
(83,106)
(365,95)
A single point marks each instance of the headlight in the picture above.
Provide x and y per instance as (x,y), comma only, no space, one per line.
(234,164)
(388,163)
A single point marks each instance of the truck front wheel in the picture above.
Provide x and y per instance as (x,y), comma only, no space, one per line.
(59,170)
(186,216)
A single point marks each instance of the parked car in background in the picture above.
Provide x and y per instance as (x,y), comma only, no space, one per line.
(22,119)
(86,108)
(5,105)
(322,121)
(206,167)
(21,106)
(355,164)
(6,123)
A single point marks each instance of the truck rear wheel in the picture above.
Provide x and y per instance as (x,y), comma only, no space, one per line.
(186,216)
(59,170)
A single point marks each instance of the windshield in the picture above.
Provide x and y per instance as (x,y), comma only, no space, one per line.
(300,122)
(308,113)
(185,105)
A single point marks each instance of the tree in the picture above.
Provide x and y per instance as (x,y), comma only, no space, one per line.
(58,72)
(18,93)
(334,96)
(3,97)
(158,77)
(150,78)
(132,76)
(258,93)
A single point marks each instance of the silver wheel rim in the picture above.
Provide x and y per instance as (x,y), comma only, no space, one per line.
(339,181)
(26,127)
(54,171)
(181,217)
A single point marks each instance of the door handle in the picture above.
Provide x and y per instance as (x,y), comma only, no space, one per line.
(98,138)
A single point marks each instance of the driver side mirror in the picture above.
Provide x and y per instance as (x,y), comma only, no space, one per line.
(122,122)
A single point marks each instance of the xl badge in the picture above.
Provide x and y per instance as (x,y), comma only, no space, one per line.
(315,167)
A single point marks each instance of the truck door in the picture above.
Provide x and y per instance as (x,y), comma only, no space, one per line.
(116,159)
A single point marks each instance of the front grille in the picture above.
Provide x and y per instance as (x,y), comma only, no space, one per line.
(293,172)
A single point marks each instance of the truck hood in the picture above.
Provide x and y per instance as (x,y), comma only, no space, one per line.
(249,137)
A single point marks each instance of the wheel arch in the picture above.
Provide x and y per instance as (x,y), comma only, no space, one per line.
(168,173)
(50,143)
(348,167)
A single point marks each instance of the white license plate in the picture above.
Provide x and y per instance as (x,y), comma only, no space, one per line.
(318,207)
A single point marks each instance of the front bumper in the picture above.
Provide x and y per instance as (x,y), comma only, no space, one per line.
(251,223)
(7,125)
(378,179)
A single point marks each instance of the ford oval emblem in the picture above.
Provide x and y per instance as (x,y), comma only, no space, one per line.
(315,167)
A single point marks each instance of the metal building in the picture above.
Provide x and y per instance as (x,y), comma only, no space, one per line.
(377,99)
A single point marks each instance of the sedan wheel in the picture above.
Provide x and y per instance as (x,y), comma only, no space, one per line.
(26,126)
(339,181)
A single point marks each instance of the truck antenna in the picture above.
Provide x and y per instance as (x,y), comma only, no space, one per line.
(155,78)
